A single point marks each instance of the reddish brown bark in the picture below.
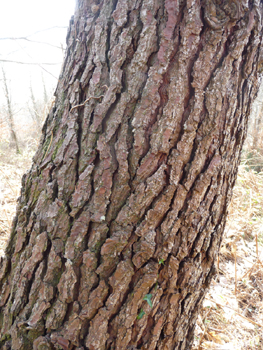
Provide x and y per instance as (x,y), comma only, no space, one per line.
(121,217)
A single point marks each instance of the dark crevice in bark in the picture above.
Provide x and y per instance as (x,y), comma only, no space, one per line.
(245,54)
(190,333)
(114,5)
(130,138)
(131,50)
(85,81)
(91,118)
(114,175)
(135,34)
(96,163)
(109,28)
(205,224)
(161,17)
(109,113)
(28,287)
(150,63)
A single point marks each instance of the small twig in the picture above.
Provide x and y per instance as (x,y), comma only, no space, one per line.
(8,181)
(7,218)
(246,305)
(39,31)
(30,63)
(249,270)
(83,104)
(235,252)
(239,314)
(257,245)
(87,100)
(257,261)
(4,228)
(205,330)
(249,261)
(216,329)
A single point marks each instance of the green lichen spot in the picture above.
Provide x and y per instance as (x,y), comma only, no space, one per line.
(96,247)
(4,339)
(57,147)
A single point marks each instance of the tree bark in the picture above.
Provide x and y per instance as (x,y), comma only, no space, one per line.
(121,216)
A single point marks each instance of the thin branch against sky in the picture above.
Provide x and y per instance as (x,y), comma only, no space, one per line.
(32,41)
(26,38)
(37,32)
(31,63)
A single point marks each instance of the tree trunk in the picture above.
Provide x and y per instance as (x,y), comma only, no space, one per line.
(10,115)
(120,219)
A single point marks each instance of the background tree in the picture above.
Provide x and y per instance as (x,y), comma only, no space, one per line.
(254,147)
(10,115)
(38,109)
(121,216)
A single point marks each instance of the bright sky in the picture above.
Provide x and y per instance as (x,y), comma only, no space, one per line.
(50,18)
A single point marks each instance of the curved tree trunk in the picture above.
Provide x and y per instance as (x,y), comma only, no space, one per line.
(120,219)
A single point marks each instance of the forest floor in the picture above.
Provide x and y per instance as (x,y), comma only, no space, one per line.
(232,314)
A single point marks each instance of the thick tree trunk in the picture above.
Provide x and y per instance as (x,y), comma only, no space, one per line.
(120,219)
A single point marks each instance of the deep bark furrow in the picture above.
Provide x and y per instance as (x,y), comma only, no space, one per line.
(141,106)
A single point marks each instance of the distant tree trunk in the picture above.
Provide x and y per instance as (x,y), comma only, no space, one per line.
(10,115)
(120,219)
(34,109)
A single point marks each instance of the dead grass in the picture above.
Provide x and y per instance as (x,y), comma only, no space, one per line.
(12,168)
(232,314)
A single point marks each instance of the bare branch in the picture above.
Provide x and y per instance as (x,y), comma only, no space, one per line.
(39,31)
(31,41)
(30,63)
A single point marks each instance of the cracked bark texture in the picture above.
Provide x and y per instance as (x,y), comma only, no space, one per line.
(127,197)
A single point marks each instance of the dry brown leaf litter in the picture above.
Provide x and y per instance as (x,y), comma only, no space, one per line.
(12,168)
(232,314)
(235,299)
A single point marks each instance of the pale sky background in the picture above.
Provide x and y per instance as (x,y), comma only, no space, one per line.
(44,21)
